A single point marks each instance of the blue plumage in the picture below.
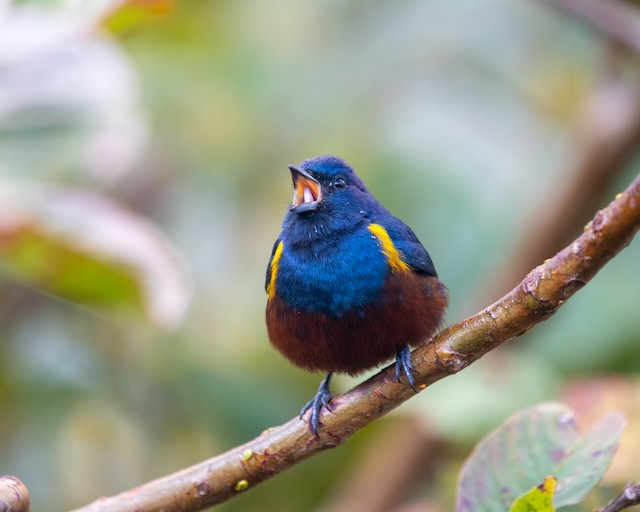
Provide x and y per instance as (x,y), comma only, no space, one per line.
(334,277)
(349,285)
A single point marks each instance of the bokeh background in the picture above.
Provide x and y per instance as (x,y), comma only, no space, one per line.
(143,178)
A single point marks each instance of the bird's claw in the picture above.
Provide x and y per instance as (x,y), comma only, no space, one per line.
(315,405)
(405,367)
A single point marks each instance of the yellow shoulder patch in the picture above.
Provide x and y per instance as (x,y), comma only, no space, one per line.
(388,249)
(275,261)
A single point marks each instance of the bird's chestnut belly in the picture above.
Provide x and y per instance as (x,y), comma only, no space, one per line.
(408,310)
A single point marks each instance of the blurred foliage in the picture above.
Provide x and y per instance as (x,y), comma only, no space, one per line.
(460,118)
(135,14)
(79,246)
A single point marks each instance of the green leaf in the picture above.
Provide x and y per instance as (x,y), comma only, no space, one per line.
(81,247)
(538,499)
(539,441)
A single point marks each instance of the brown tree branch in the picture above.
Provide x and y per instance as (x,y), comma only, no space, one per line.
(629,497)
(610,136)
(608,139)
(14,496)
(535,299)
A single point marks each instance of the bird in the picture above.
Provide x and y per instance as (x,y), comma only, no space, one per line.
(349,286)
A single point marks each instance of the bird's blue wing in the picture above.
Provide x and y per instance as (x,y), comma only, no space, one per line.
(412,251)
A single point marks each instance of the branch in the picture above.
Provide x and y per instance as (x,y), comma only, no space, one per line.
(629,497)
(14,496)
(608,139)
(535,299)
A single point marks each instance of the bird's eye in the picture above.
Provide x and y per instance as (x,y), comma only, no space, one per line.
(339,182)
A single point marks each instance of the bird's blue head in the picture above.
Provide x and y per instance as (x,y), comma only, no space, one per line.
(328,197)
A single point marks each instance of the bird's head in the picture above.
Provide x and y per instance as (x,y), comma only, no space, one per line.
(328,197)
(326,183)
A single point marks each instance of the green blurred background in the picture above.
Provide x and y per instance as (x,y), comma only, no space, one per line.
(463,118)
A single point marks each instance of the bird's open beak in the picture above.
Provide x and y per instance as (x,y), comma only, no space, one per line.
(306,191)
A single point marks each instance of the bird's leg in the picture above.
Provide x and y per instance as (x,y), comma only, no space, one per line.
(404,366)
(320,400)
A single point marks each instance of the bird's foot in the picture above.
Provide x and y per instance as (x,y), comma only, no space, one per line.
(320,400)
(404,366)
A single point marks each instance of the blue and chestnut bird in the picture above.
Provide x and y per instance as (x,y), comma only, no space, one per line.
(349,285)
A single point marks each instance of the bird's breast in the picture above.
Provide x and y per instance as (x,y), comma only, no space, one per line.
(332,276)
